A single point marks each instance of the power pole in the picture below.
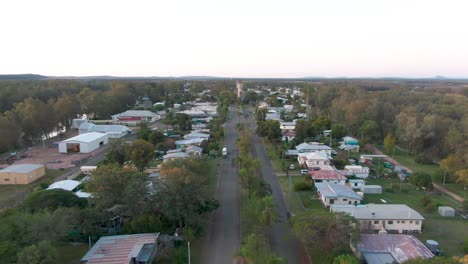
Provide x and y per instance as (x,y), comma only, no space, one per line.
(188,244)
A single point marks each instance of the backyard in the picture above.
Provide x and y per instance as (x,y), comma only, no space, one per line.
(408,160)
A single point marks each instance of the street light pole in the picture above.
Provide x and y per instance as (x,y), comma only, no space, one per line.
(188,244)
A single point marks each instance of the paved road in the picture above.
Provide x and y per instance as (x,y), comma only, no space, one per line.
(282,240)
(222,241)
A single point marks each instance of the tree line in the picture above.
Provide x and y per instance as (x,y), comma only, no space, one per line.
(32,110)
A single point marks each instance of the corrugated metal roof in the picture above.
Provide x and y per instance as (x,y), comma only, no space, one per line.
(90,127)
(86,137)
(21,168)
(307,146)
(67,185)
(334,190)
(189,141)
(327,175)
(401,247)
(119,249)
(138,113)
(380,212)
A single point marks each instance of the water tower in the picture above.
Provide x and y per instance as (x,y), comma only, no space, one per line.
(239,86)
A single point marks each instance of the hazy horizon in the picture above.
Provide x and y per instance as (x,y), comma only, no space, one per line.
(250,39)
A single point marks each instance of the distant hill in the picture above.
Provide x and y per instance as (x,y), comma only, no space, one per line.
(22,77)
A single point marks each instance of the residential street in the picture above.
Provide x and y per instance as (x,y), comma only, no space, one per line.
(282,239)
(223,234)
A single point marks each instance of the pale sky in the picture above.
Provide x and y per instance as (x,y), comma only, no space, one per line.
(236,38)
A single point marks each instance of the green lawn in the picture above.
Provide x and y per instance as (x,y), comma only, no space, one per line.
(71,253)
(275,161)
(294,202)
(213,170)
(408,161)
(449,232)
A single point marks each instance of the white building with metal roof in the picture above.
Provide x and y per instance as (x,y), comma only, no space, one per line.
(67,185)
(392,218)
(113,131)
(335,193)
(134,117)
(83,143)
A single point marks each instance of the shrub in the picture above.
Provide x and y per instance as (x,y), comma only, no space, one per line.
(429,208)
(425,200)
(52,199)
(420,179)
(339,164)
(302,186)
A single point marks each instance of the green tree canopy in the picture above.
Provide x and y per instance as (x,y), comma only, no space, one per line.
(41,253)
(421,179)
(140,152)
(112,184)
(52,199)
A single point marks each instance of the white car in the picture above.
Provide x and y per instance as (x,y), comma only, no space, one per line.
(304,172)
(292,167)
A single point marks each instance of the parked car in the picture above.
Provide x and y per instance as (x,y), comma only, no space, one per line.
(292,167)
(315,168)
(304,172)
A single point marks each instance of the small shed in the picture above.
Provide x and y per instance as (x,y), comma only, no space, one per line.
(446,211)
(371,189)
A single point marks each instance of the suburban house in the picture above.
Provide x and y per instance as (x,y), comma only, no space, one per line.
(350,144)
(391,248)
(21,174)
(189,142)
(314,147)
(356,183)
(123,249)
(391,218)
(330,176)
(192,135)
(288,135)
(175,155)
(285,126)
(273,116)
(314,160)
(83,143)
(194,151)
(332,193)
(358,171)
(134,117)
(326,133)
(113,131)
